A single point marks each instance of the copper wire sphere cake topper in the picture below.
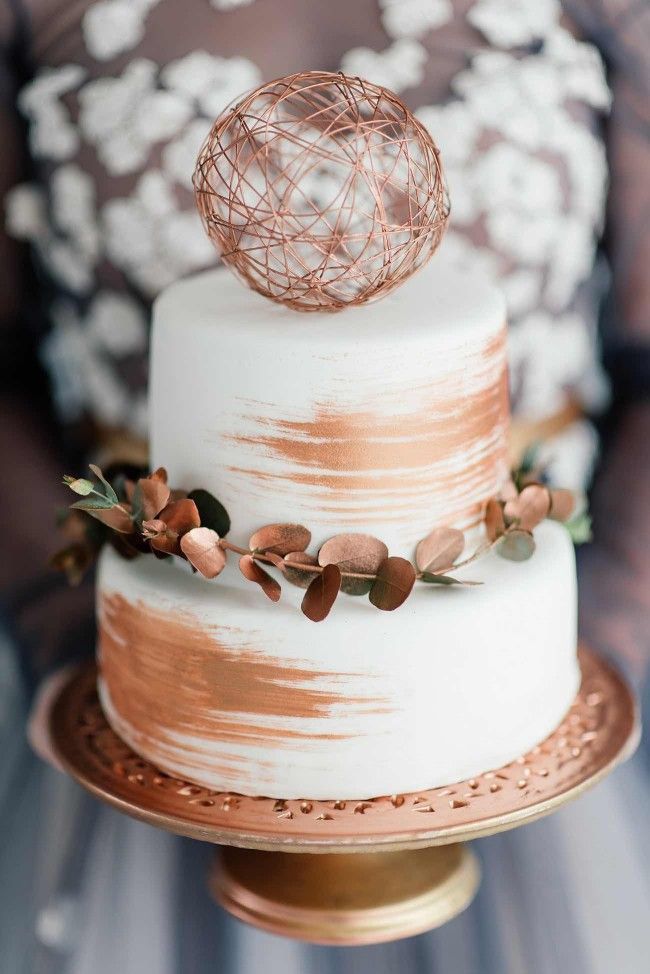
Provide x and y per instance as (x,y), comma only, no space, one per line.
(321,191)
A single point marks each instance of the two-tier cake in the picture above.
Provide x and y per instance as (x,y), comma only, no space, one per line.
(391,422)
(388,420)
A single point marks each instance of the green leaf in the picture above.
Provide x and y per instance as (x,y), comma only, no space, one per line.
(211,511)
(579,528)
(516,545)
(529,461)
(110,493)
(79,485)
(432,579)
(150,496)
(97,503)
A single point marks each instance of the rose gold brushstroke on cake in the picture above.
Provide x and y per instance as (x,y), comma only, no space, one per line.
(391,466)
(200,691)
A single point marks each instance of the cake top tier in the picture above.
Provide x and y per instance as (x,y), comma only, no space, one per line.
(440,305)
(389,420)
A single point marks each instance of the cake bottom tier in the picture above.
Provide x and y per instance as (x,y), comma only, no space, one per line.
(215,685)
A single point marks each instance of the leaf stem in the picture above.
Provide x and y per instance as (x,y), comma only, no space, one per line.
(314,569)
(318,569)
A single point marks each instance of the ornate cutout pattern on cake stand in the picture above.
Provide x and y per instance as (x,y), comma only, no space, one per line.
(600,730)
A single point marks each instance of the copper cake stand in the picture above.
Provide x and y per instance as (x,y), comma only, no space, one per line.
(416,872)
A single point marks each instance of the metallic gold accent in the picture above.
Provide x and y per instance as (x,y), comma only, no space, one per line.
(346,899)
(441,459)
(414,873)
(600,730)
(230,693)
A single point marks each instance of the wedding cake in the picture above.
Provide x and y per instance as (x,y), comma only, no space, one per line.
(372,437)
(390,420)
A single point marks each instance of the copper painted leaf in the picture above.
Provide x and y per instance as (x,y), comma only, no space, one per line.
(255,573)
(531,507)
(393,584)
(280,538)
(563,504)
(516,545)
(161,538)
(276,560)
(167,542)
(177,495)
(149,497)
(354,553)
(181,516)
(117,518)
(495,524)
(79,485)
(509,490)
(446,580)
(202,549)
(295,575)
(321,594)
(439,549)
(211,511)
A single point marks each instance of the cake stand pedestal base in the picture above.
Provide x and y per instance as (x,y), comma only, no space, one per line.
(346,898)
(354,871)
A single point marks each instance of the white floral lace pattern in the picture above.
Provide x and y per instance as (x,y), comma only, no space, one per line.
(117,324)
(51,132)
(150,238)
(83,378)
(514,23)
(229,4)
(549,354)
(67,238)
(82,354)
(113,26)
(179,156)
(527,174)
(211,81)
(412,18)
(525,165)
(400,66)
(520,164)
(124,117)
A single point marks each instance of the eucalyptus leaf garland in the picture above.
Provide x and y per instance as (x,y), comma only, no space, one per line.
(138,513)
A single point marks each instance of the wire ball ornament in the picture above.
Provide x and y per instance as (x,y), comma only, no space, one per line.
(321,191)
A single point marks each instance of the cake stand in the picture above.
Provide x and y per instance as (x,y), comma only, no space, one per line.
(386,867)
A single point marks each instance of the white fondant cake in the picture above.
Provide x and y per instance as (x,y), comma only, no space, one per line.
(211,683)
(388,419)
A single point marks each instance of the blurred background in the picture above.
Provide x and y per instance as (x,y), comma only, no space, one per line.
(542,112)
